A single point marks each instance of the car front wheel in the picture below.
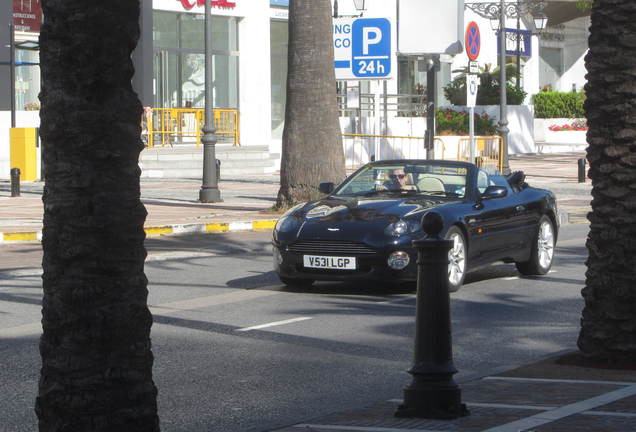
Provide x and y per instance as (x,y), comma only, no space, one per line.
(542,251)
(456,259)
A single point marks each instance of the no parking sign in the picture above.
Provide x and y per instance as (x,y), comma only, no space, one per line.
(473,40)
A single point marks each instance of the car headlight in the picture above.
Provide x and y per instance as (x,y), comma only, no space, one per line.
(287,224)
(402,227)
(287,221)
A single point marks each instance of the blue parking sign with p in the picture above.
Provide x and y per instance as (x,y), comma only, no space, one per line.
(371,47)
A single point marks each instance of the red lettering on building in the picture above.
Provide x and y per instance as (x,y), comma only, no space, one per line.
(224,4)
(187,4)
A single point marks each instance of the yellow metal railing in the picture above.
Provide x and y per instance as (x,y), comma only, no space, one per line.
(488,151)
(165,126)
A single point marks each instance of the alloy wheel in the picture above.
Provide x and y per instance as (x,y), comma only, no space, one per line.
(457,259)
(545,244)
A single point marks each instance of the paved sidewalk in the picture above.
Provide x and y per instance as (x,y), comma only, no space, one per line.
(540,397)
(173,207)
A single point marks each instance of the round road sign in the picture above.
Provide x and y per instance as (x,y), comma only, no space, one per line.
(473,40)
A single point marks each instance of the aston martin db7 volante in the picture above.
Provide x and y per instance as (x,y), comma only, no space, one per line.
(363,228)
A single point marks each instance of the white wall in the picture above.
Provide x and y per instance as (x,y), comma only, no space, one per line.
(254,75)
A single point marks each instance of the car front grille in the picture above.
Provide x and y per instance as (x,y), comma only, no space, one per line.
(331,247)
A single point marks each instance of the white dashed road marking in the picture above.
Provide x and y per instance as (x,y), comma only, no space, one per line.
(273,324)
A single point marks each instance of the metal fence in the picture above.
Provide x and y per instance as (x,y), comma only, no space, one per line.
(383,107)
(363,148)
(170,126)
(488,151)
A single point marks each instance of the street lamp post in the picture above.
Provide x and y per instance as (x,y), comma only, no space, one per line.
(518,40)
(499,12)
(503,88)
(359,4)
(209,188)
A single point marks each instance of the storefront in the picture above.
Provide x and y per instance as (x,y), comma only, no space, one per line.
(179,59)
(249,62)
(240,60)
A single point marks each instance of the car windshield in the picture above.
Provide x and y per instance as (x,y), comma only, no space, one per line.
(426,178)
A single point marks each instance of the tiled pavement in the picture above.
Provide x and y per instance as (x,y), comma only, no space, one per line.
(541,397)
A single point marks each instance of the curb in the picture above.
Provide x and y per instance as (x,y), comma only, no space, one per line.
(575,216)
(176,229)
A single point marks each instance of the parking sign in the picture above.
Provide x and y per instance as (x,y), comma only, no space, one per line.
(362,48)
(371,47)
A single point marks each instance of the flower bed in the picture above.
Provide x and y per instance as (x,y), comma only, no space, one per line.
(576,125)
(451,122)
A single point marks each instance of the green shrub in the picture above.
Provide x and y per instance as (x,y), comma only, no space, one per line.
(487,93)
(551,104)
(451,122)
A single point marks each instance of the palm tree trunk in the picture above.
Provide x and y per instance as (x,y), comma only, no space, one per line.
(608,323)
(312,143)
(96,353)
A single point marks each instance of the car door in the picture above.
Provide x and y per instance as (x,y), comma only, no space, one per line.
(494,225)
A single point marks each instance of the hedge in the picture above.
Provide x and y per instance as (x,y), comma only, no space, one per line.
(551,104)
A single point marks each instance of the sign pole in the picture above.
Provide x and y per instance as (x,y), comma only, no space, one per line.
(431,84)
(473,46)
(471,125)
(472,84)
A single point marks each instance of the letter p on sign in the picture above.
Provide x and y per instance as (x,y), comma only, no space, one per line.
(370,36)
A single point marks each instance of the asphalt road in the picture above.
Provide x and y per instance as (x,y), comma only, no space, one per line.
(317,350)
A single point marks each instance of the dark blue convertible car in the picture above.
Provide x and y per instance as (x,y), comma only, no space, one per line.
(363,228)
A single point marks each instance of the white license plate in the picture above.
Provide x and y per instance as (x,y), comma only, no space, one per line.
(329,262)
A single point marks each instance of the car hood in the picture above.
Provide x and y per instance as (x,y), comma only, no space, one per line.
(354,217)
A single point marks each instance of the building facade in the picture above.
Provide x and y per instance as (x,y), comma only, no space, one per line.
(250,64)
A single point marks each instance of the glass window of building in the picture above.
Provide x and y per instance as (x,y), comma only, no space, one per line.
(410,79)
(164,29)
(411,87)
(27,80)
(179,60)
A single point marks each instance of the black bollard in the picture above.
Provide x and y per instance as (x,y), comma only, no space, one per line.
(15,182)
(581,163)
(433,393)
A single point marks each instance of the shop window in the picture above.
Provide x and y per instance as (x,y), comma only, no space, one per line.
(165,29)
(179,71)
(192,31)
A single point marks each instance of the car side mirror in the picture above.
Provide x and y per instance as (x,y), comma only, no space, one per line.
(493,192)
(326,188)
